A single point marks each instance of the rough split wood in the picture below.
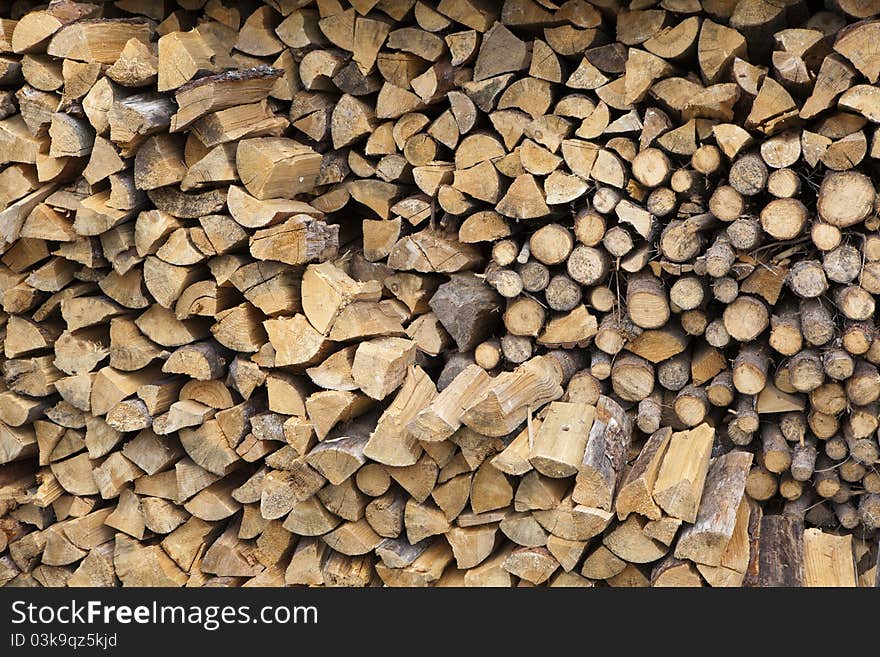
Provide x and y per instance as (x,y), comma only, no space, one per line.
(444,293)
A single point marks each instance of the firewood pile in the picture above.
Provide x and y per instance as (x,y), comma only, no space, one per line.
(439,293)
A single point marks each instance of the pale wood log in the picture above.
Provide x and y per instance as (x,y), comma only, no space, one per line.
(601,469)
(679,485)
(705,541)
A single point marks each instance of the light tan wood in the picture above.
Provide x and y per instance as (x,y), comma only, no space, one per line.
(828,559)
(679,485)
(458,293)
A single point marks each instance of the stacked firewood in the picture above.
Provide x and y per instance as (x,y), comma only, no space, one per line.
(464,292)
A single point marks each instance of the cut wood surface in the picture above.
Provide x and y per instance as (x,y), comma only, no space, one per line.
(456,293)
